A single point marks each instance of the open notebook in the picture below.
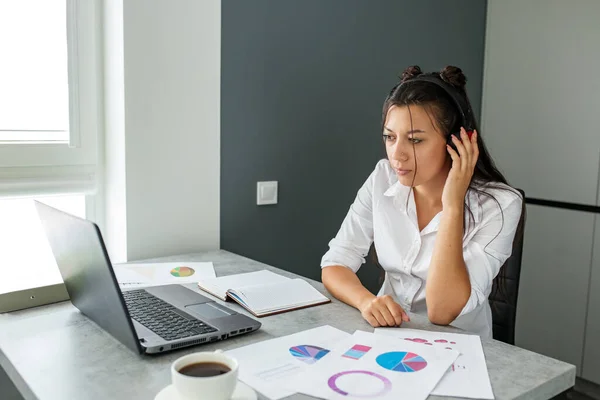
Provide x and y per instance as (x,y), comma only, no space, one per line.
(264,292)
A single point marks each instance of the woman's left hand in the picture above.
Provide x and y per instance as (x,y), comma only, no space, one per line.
(463,166)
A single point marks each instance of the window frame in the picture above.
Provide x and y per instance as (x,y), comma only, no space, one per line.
(76,158)
(41,168)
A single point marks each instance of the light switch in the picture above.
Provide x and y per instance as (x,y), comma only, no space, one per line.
(266,193)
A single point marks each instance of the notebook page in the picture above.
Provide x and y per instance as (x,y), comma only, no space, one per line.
(279,296)
(219,286)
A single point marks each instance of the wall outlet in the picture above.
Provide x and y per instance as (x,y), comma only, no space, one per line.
(266,193)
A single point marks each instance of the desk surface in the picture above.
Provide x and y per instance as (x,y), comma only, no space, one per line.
(55,353)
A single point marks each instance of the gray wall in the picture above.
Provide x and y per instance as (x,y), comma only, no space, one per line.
(302,86)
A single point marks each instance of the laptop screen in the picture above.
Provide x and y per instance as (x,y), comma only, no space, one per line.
(85,267)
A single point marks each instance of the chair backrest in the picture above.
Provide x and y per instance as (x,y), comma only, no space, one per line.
(505,290)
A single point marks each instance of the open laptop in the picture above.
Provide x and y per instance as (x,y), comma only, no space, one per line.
(150,320)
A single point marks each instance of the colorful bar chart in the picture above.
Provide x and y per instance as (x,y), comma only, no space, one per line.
(356,352)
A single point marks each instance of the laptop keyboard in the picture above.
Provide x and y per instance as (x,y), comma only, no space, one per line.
(160,317)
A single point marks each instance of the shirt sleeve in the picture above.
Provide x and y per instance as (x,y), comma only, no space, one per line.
(354,239)
(488,249)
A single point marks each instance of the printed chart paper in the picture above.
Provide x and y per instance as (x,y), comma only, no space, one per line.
(371,366)
(468,376)
(153,274)
(268,365)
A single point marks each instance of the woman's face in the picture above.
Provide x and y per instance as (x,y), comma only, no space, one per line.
(429,145)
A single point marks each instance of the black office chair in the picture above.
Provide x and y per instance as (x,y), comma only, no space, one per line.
(505,290)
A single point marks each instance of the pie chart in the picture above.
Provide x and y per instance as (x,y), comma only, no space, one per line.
(308,354)
(401,361)
(182,272)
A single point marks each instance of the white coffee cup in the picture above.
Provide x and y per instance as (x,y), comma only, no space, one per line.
(218,387)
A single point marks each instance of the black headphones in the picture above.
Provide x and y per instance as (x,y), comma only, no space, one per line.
(466,114)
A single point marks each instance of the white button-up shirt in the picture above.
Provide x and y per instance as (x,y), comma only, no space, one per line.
(380,214)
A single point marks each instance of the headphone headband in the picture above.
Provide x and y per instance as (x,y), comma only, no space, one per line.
(463,107)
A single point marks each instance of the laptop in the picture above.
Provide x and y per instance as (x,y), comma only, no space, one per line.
(149,320)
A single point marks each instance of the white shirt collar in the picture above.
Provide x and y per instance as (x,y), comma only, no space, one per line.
(400,192)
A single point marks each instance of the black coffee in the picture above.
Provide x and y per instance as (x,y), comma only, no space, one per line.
(204,369)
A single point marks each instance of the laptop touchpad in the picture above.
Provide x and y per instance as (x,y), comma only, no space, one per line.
(206,311)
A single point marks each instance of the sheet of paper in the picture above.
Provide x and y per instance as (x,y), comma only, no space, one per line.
(468,376)
(268,365)
(366,365)
(153,274)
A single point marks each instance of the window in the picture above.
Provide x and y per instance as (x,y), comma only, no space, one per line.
(49,95)
(26,258)
(34,79)
(49,131)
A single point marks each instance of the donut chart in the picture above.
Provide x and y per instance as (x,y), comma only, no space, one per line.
(385,383)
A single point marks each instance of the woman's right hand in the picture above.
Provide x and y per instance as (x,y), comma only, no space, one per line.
(383,311)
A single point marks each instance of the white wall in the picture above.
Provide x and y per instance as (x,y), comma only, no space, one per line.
(539,117)
(163,178)
(115,223)
(540,95)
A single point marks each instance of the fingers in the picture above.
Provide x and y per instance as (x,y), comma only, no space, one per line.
(405,317)
(460,147)
(379,317)
(454,155)
(384,311)
(467,150)
(463,150)
(466,142)
(475,147)
(384,304)
(395,311)
(399,314)
(390,320)
(371,319)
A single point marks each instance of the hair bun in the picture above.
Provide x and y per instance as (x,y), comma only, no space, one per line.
(410,73)
(454,76)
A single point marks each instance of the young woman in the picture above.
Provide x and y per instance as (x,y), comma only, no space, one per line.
(440,215)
